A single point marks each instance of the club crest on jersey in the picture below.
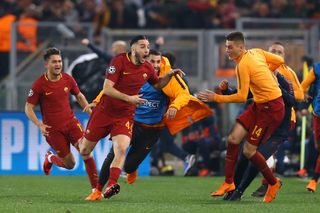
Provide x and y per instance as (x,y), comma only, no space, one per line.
(30,93)
(145,75)
(66,89)
(111,70)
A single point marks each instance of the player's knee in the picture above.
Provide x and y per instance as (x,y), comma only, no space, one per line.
(85,151)
(69,164)
(248,152)
(232,139)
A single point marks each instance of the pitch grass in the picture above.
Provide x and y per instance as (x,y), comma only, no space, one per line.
(148,194)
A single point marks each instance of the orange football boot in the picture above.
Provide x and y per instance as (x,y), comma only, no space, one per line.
(132,177)
(224,188)
(272,191)
(312,185)
(95,195)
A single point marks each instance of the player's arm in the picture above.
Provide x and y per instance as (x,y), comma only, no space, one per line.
(308,81)
(101,54)
(29,110)
(297,88)
(274,61)
(243,81)
(179,93)
(108,87)
(82,101)
(164,80)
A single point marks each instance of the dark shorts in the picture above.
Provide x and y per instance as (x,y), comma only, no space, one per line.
(100,125)
(60,139)
(260,120)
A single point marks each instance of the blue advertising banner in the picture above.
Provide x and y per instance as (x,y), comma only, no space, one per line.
(22,148)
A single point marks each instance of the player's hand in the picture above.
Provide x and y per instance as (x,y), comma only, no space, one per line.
(171,113)
(43,127)
(160,41)
(88,108)
(136,100)
(206,96)
(223,85)
(85,42)
(174,72)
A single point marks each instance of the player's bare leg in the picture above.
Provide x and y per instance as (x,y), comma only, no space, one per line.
(120,145)
(67,162)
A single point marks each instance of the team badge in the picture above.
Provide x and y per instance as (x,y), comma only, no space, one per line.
(111,70)
(66,89)
(145,75)
(30,93)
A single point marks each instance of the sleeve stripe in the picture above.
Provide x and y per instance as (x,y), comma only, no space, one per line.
(179,81)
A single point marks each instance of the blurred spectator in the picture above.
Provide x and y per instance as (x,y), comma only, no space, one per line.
(27,30)
(6,20)
(261,10)
(123,15)
(277,8)
(297,9)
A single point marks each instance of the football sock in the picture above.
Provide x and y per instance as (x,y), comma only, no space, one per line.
(91,170)
(249,175)
(105,171)
(317,170)
(114,175)
(259,161)
(56,160)
(230,161)
(240,170)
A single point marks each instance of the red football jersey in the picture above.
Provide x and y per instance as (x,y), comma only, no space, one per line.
(128,79)
(53,97)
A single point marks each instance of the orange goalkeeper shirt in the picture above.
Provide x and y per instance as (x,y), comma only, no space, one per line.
(253,72)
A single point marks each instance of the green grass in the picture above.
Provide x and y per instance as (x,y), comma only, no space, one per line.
(148,194)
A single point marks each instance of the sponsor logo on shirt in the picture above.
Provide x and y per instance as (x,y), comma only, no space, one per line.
(30,93)
(111,70)
(151,104)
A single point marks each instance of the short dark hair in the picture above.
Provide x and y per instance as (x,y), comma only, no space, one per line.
(235,36)
(278,43)
(51,51)
(137,38)
(154,52)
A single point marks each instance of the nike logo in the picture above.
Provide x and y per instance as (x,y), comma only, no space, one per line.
(48,93)
(253,139)
(126,73)
(148,147)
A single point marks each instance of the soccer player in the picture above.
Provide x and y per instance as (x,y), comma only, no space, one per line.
(260,119)
(59,126)
(151,117)
(313,82)
(114,114)
(245,171)
(279,49)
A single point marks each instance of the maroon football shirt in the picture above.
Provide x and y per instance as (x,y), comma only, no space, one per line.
(128,79)
(53,98)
